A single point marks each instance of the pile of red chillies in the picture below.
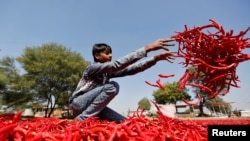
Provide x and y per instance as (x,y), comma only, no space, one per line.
(135,128)
(215,54)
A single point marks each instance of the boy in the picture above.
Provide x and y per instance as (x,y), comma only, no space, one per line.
(95,90)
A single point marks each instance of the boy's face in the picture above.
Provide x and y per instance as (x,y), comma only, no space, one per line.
(104,56)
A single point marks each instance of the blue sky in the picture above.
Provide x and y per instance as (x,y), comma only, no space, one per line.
(126,26)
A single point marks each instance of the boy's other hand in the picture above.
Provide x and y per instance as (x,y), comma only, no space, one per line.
(166,55)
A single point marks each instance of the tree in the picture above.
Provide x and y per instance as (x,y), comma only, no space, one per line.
(7,71)
(202,93)
(3,79)
(171,95)
(52,72)
(13,87)
(144,104)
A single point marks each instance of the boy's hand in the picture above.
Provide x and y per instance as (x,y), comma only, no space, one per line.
(159,44)
(167,55)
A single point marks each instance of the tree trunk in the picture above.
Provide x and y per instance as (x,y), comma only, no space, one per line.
(202,114)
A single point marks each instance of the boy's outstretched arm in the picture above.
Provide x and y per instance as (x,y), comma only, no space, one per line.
(159,44)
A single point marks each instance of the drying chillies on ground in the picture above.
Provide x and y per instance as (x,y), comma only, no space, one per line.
(214,54)
(136,128)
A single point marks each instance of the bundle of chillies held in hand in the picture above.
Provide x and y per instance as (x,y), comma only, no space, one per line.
(214,54)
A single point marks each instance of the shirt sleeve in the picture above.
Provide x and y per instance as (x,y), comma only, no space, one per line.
(135,68)
(117,65)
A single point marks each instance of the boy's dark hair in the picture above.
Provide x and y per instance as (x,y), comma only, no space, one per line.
(100,47)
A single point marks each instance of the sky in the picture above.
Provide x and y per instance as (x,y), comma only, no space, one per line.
(125,26)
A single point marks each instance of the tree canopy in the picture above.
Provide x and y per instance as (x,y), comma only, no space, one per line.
(171,94)
(51,73)
(12,92)
(144,104)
